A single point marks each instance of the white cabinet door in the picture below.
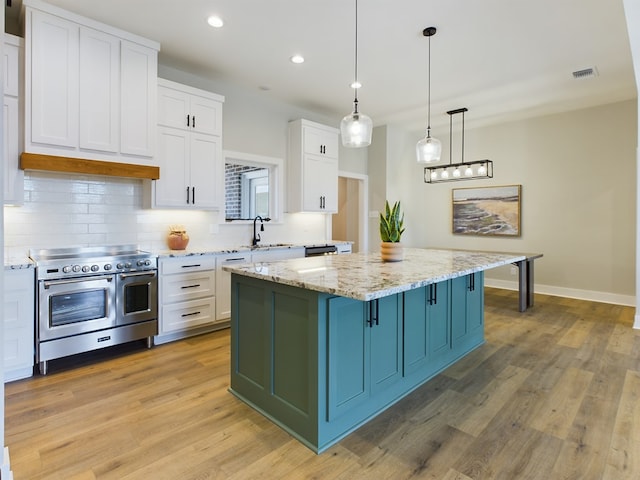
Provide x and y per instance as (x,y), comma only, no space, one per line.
(320,184)
(172,189)
(276,254)
(138,76)
(99,90)
(179,317)
(319,141)
(53,70)
(11,64)
(173,108)
(223,281)
(206,115)
(188,286)
(205,154)
(13,176)
(19,320)
(187,111)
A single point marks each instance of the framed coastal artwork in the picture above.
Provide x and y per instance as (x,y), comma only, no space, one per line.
(487,210)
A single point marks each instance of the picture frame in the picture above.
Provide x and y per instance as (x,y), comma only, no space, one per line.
(486,211)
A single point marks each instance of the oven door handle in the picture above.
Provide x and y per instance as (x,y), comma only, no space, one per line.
(124,276)
(50,283)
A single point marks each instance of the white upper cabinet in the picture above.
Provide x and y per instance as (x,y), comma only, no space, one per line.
(52,68)
(91,88)
(188,111)
(189,148)
(99,90)
(12,112)
(12,53)
(312,160)
(139,72)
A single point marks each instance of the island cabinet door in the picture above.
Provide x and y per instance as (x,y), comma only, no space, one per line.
(467,310)
(385,329)
(427,329)
(348,356)
(365,350)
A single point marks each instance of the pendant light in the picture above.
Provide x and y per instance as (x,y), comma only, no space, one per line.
(356,128)
(474,170)
(428,149)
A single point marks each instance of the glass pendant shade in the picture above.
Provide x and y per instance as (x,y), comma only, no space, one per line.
(356,129)
(428,149)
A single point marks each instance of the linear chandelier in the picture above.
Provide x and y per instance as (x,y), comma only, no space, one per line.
(452,172)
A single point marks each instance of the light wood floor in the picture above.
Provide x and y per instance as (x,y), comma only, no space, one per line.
(553,394)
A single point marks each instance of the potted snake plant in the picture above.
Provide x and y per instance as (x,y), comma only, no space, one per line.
(391,230)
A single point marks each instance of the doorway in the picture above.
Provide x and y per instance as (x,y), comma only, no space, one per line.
(350,223)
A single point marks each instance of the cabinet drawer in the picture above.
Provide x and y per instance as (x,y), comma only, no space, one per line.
(181,316)
(189,286)
(185,265)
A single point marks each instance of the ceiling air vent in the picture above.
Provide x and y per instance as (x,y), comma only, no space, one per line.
(585,73)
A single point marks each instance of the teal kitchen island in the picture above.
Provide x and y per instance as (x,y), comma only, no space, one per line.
(321,345)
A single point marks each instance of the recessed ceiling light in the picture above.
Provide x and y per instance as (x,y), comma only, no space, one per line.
(215,21)
(297,59)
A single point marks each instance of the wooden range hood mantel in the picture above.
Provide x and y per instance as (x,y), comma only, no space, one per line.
(52,163)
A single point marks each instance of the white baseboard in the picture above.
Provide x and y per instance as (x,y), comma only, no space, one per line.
(617,299)
(5,468)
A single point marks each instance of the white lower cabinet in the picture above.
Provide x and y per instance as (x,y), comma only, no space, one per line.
(187,297)
(276,254)
(19,320)
(223,281)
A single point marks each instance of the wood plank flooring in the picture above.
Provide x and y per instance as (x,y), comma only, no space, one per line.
(553,394)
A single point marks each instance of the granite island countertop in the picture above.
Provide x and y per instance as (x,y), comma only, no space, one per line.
(364,276)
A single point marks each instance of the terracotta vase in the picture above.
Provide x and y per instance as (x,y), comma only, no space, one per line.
(178,240)
(391,251)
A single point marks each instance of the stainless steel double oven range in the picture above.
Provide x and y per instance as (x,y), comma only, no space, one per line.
(93,297)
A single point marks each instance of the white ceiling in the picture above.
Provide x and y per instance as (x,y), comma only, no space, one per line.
(502,59)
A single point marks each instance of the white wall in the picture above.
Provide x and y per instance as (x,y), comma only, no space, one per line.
(578,177)
(632,15)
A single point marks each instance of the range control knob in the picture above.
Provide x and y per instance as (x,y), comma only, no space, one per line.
(66,269)
(95,268)
(107,266)
(86,268)
(120,266)
(127,265)
(76,268)
(143,263)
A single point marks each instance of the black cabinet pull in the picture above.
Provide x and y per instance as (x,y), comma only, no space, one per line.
(188,121)
(190,314)
(433,294)
(190,286)
(187,195)
(193,195)
(193,121)
(472,282)
(195,265)
(374,313)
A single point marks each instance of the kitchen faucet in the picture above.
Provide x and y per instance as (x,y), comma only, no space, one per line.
(256,236)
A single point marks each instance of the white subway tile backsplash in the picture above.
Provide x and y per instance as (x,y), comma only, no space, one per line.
(78,210)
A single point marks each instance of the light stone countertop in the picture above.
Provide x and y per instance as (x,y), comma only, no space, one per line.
(21,263)
(363,276)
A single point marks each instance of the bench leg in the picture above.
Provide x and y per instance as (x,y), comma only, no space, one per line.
(522,284)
